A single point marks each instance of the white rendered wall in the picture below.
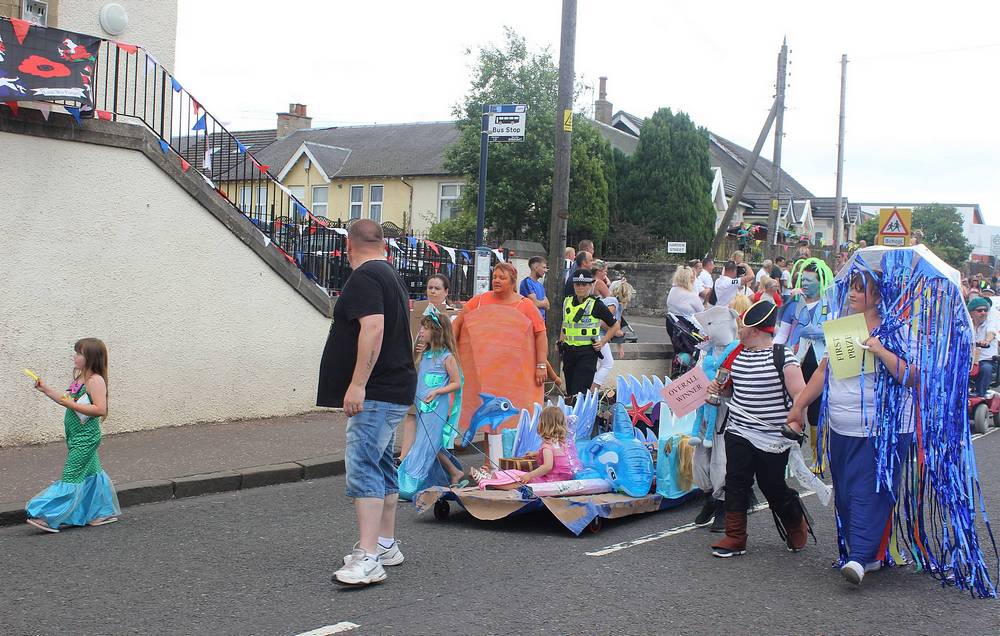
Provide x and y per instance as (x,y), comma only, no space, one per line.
(99,242)
(152,24)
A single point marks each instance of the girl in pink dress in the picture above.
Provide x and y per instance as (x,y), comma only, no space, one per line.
(557,459)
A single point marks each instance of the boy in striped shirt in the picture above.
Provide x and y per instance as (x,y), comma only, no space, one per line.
(755,446)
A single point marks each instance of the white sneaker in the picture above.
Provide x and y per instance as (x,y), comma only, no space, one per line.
(387,556)
(360,569)
(853,571)
(391,555)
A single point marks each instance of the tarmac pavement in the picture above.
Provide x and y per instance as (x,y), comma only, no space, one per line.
(258,561)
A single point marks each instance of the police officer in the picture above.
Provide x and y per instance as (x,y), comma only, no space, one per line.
(581,338)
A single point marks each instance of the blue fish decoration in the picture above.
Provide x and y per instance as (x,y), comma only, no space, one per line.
(619,457)
(490,414)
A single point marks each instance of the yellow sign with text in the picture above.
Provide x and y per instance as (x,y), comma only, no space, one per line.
(894,225)
(843,344)
(568,120)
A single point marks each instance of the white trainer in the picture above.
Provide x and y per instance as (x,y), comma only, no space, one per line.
(391,555)
(360,570)
(387,556)
(853,571)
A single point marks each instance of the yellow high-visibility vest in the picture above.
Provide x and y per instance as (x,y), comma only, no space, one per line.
(580,328)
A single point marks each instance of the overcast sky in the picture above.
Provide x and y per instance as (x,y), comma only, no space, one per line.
(921,81)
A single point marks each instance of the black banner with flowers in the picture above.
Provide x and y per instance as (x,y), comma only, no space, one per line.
(40,64)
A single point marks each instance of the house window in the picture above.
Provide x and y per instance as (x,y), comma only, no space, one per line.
(448,199)
(357,198)
(254,206)
(35,12)
(320,198)
(299,192)
(375,203)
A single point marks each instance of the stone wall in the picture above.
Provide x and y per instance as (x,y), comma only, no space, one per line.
(651,282)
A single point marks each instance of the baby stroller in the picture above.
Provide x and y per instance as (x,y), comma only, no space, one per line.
(684,338)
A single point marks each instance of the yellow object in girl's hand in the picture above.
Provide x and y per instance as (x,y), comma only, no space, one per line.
(31,374)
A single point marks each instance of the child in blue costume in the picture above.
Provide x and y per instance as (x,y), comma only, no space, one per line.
(428,463)
(718,324)
(801,324)
(84,495)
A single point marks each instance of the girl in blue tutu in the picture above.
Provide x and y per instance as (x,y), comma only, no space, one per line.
(84,496)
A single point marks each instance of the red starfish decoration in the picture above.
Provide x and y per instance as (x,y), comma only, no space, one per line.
(638,413)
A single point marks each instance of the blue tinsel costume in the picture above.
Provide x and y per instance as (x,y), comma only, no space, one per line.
(935,466)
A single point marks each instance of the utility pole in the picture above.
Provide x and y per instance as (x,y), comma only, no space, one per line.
(560,181)
(734,201)
(772,217)
(838,226)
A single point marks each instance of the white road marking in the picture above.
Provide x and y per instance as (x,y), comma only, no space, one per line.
(339,628)
(663,534)
(656,536)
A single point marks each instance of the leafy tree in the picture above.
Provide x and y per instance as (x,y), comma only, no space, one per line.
(867,231)
(942,228)
(458,230)
(670,181)
(519,175)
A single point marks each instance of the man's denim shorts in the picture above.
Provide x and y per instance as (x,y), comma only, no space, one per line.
(371,472)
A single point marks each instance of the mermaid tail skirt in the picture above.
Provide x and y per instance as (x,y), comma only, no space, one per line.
(75,504)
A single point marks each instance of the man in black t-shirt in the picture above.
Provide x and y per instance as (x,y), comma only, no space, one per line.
(367,368)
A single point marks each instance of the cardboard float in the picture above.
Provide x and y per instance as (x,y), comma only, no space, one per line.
(615,449)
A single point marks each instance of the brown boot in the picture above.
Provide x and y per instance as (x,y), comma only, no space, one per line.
(735,541)
(798,535)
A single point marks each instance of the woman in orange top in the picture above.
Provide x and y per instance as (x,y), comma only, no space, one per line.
(504,292)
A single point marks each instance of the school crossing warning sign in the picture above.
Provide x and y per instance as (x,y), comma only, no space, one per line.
(894,226)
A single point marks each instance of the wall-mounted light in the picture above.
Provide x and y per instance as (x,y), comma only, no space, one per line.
(114,18)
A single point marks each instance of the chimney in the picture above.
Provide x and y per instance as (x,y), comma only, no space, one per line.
(602,107)
(294,119)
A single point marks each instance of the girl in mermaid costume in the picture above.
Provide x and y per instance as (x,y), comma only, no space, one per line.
(84,496)
(438,378)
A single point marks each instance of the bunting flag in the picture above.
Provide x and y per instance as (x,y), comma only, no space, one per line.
(465,270)
(21,28)
(465,255)
(207,165)
(240,147)
(128,48)
(75,112)
(499,256)
(200,124)
(164,146)
(196,105)
(451,253)
(433,246)
(103,114)
(44,108)
(177,85)
(151,64)
(13,107)
(296,206)
(262,167)
(412,241)
(285,254)
(393,243)
(184,165)
(340,230)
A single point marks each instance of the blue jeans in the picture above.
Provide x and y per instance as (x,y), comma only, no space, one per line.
(985,376)
(368,458)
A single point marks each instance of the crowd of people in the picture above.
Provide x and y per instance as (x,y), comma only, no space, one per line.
(770,375)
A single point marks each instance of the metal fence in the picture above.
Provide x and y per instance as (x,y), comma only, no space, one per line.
(131,86)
